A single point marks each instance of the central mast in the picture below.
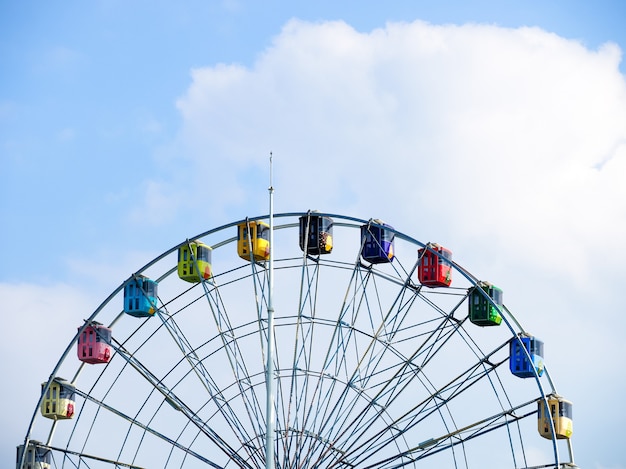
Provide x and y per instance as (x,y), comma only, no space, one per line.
(270,418)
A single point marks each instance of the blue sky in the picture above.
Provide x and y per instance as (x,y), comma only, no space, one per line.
(125,128)
(94,84)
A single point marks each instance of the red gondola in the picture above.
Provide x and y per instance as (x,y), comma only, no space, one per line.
(94,344)
(434,268)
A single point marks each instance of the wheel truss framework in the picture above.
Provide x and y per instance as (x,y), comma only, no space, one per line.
(372,369)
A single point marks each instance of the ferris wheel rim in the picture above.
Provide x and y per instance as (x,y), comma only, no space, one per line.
(353,222)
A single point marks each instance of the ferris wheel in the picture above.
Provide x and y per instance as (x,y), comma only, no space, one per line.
(365,347)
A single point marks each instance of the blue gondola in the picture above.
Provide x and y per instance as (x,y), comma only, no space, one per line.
(377,242)
(140,297)
(36,457)
(521,348)
(316,234)
(481,311)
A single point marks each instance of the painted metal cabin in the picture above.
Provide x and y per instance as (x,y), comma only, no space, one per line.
(36,457)
(316,234)
(253,242)
(522,348)
(560,411)
(377,242)
(481,311)
(94,344)
(140,297)
(58,401)
(435,269)
(194,262)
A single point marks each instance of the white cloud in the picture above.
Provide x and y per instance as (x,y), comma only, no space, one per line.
(509,145)
(502,132)
(43,319)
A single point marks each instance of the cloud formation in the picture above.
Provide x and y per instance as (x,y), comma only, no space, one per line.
(44,319)
(509,145)
(513,133)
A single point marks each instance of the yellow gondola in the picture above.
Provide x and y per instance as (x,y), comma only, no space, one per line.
(58,402)
(561,414)
(253,240)
(194,262)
